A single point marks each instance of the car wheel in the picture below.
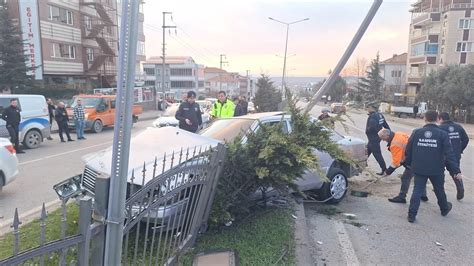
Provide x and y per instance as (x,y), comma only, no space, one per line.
(337,186)
(32,139)
(97,127)
(2,181)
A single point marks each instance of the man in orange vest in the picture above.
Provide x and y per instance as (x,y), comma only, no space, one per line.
(396,144)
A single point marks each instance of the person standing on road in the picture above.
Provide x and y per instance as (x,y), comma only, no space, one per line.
(189,114)
(51,110)
(245,104)
(459,140)
(396,143)
(375,122)
(415,111)
(79,119)
(62,119)
(12,116)
(428,151)
(239,108)
(223,108)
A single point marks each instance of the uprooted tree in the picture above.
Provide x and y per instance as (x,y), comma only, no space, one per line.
(272,158)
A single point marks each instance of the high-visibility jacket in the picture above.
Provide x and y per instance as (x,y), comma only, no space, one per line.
(397,148)
(223,110)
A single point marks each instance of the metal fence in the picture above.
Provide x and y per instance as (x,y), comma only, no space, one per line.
(167,205)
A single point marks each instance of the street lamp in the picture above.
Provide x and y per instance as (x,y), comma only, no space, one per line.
(286,45)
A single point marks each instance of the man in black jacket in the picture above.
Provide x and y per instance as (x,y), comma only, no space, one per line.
(189,114)
(459,140)
(428,151)
(12,116)
(375,122)
(62,119)
(51,111)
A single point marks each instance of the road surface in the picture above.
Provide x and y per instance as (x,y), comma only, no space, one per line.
(380,233)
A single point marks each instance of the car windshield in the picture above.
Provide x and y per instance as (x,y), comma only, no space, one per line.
(171,111)
(86,102)
(227,129)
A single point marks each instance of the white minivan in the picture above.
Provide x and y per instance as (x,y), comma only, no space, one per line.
(34,125)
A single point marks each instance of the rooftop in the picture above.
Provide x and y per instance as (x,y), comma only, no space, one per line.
(396,60)
(172,60)
(224,78)
(214,70)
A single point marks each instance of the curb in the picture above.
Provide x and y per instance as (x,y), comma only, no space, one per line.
(302,252)
(29,216)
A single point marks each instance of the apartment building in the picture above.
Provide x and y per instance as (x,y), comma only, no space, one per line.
(217,79)
(181,74)
(71,43)
(441,33)
(393,71)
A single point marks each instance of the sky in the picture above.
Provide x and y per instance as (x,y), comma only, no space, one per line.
(242,31)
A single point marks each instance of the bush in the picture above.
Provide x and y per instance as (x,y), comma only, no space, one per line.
(269,158)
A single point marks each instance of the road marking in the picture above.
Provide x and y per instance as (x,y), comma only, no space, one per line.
(346,244)
(64,153)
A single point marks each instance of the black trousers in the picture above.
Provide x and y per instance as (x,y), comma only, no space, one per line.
(63,128)
(373,147)
(420,189)
(14,133)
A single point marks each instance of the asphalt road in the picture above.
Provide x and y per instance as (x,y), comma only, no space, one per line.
(48,165)
(380,232)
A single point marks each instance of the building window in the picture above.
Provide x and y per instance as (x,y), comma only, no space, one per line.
(141,48)
(418,49)
(396,73)
(466,24)
(88,22)
(61,15)
(431,49)
(464,47)
(181,72)
(90,54)
(182,84)
(63,51)
(149,83)
(149,71)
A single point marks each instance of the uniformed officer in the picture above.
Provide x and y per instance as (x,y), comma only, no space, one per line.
(375,122)
(428,150)
(12,116)
(189,113)
(459,140)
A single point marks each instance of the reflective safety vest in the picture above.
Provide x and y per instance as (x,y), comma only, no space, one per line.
(220,110)
(397,148)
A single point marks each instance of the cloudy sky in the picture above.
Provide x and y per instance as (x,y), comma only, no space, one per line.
(242,31)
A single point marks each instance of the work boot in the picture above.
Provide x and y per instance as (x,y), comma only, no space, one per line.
(460,189)
(63,141)
(445,212)
(411,218)
(381,173)
(70,140)
(398,199)
(424,198)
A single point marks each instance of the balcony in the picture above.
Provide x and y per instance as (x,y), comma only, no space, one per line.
(416,75)
(418,18)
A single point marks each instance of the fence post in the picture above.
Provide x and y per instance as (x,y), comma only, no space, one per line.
(85,214)
(101,199)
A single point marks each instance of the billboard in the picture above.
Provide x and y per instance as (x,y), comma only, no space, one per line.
(29,20)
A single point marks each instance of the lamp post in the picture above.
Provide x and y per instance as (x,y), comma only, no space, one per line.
(286,45)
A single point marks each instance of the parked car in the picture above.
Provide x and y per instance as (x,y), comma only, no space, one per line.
(99,111)
(168,118)
(34,125)
(8,162)
(338,108)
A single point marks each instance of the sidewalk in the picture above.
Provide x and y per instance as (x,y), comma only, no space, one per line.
(145,116)
(419,122)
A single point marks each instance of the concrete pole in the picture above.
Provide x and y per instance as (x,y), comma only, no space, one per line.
(345,57)
(122,132)
(284,61)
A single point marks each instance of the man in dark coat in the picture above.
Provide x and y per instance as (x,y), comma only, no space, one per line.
(189,114)
(12,116)
(375,122)
(62,119)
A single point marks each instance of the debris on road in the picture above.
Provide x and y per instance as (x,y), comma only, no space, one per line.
(438,244)
(294,216)
(350,216)
(319,242)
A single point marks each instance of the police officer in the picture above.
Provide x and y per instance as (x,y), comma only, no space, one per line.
(12,116)
(223,108)
(459,140)
(375,122)
(427,152)
(189,113)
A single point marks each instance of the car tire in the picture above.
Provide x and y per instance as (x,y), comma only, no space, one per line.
(97,126)
(33,139)
(2,181)
(337,186)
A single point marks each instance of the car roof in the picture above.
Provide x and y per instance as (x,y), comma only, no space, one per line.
(260,116)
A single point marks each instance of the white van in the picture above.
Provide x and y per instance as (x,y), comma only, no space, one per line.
(34,125)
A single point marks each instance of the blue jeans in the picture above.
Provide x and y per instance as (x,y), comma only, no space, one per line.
(420,188)
(80,125)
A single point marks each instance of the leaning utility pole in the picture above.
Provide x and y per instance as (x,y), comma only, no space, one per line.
(164,53)
(345,57)
(222,62)
(122,133)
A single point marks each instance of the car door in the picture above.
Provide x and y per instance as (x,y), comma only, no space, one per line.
(4,103)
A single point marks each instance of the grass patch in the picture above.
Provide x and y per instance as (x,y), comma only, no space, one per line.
(329,210)
(30,233)
(260,240)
